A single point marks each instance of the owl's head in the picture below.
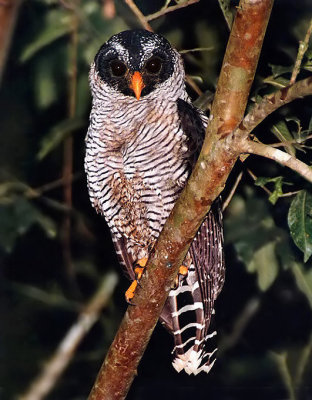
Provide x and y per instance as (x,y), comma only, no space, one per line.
(137,63)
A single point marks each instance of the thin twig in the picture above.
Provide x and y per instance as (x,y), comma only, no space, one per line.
(232,192)
(286,142)
(166,9)
(193,85)
(302,362)
(288,194)
(303,47)
(139,15)
(196,49)
(254,177)
(39,191)
(281,362)
(248,146)
(53,369)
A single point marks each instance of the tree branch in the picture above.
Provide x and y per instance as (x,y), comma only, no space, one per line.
(166,9)
(303,47)
(271,103)
(141,17)
(53,369)
(260,149)
(207,181)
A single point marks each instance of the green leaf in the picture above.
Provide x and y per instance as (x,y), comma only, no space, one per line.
(278,70)
(310,125)
(57,134)
(283,134)
(44,85)
(278,82)
(278,186)
(252,229)
(265,264)
(226,10)
(300,222)
(307,66)
(303,280)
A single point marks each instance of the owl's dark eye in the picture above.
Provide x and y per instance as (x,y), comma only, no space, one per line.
(118,68)
(153,65)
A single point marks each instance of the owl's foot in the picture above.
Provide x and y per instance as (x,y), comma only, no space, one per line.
(130,292)
(183,270)
(139,269)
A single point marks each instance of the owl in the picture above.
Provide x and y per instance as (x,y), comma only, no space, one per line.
(143,139)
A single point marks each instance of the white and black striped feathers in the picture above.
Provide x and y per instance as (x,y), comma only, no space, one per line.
(139,156)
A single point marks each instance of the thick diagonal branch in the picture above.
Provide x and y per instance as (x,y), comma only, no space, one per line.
(207,181)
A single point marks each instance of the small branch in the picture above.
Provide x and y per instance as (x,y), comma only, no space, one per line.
(232,192)
(281,362)
(166,9)
(248,146)
(271,103)
(254,177)
(304,359)
(193,85)
(139,15)
(53,369)
(31,193)
(294,141)
(303,47)
(196,49)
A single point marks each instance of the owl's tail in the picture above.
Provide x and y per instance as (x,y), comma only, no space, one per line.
(194,349)
(189,311)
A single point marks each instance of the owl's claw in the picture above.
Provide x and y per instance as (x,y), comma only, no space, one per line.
(130,292)
(183,270)
(139,269)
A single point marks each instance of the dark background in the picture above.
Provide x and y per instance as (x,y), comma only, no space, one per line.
(264,311)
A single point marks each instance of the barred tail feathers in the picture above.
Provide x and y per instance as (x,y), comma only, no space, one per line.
(192,343)
(191,305)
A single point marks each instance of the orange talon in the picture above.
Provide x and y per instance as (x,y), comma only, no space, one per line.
(183,270)
(138,272)
(142,262)
(130,292)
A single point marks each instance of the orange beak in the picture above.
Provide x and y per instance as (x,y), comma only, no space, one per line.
(137,84)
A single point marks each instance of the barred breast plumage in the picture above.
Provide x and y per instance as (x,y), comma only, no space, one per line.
(139,156)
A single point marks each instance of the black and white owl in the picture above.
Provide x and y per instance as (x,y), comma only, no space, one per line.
(143,140)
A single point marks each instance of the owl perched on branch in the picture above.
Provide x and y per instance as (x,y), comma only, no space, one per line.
(143,140)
